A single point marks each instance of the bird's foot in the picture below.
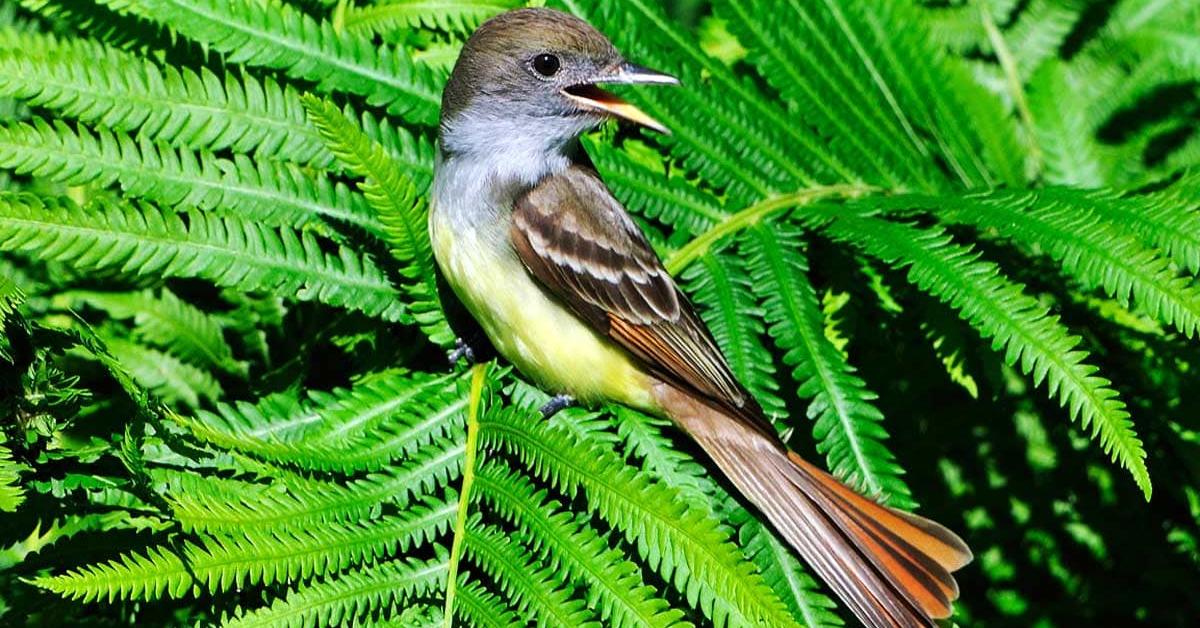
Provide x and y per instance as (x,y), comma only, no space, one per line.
(556,405)
(461,350)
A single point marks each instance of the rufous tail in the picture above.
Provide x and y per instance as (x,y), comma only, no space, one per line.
(890,568)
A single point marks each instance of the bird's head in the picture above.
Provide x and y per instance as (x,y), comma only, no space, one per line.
(536,72)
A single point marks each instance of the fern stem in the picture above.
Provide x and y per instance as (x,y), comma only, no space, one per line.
(478,377)
(1012,75)
(750,216)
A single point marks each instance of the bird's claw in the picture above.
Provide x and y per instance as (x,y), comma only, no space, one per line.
(461,350)
(556,405)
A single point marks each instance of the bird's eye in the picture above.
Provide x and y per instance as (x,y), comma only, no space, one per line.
(546,64)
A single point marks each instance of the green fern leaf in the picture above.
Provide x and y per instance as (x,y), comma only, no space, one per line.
(661,459)
(763,151)
(224,507)
(165,375)
(1070,153)
(457,16)
(1040,30)
(480,607)
(1166,219)
(688,548)
(848,427)
(11,492)
(278,36)
(401,211)
(616,588)
(276,417)
(1000,310)
(532,588)
(167,321)
(107,581)
(229,252)
(278,194)
(808,53)
(350,597)
(865,74)
(196,110)
(11,296)
(192,109)
(784,573)
(251,557)
(362,429)
(670,200)
(728,308)
(123,31)
(1063,224)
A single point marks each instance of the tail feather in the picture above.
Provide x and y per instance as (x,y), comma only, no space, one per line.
(891,569)
(916,554)
(839,560)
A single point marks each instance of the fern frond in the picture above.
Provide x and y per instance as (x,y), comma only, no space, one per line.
(1070,153)
(278,36)
(278,194)
(166,575)
(1040,30)
(362,429)
(999,309)
(1061,223)
(251,557)
(171,379)
(11,296)
(193,109)
(763,152)
(533,589)
(687,547)
(400,208)
(456,16)
(348,598)
(787,577)
(481,607)
(1167,219)
(848,427)
(124,31)
(412,152)
(660,458)
(220,508)
(167,321)
(671,200)
(867,70)
(142,240)
(719,286)
(956,27)
(951,340)
(11,492)
(197,110)
(276,417)
(812,57)
(616,589)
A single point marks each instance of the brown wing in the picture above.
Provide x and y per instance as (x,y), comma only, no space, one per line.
(576,239)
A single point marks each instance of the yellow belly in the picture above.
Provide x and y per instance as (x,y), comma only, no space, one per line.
(534,331)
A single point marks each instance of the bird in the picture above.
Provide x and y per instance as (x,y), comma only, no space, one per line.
(567,288)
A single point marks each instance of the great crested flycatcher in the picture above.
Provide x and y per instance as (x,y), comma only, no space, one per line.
(566,287)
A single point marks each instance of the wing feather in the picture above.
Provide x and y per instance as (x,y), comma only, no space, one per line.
(582,245)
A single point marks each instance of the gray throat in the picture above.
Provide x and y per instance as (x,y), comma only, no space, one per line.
(487,160)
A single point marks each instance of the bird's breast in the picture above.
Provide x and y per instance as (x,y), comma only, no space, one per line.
(527,325)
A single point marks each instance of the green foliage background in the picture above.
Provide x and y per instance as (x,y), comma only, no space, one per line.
(952,247)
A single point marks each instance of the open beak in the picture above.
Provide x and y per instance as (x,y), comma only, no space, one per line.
(589,96)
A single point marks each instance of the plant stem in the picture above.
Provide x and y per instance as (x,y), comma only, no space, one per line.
(750,216)
(478,378)
(1012,75)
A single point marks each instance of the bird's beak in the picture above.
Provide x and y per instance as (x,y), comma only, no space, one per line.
(589,96)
